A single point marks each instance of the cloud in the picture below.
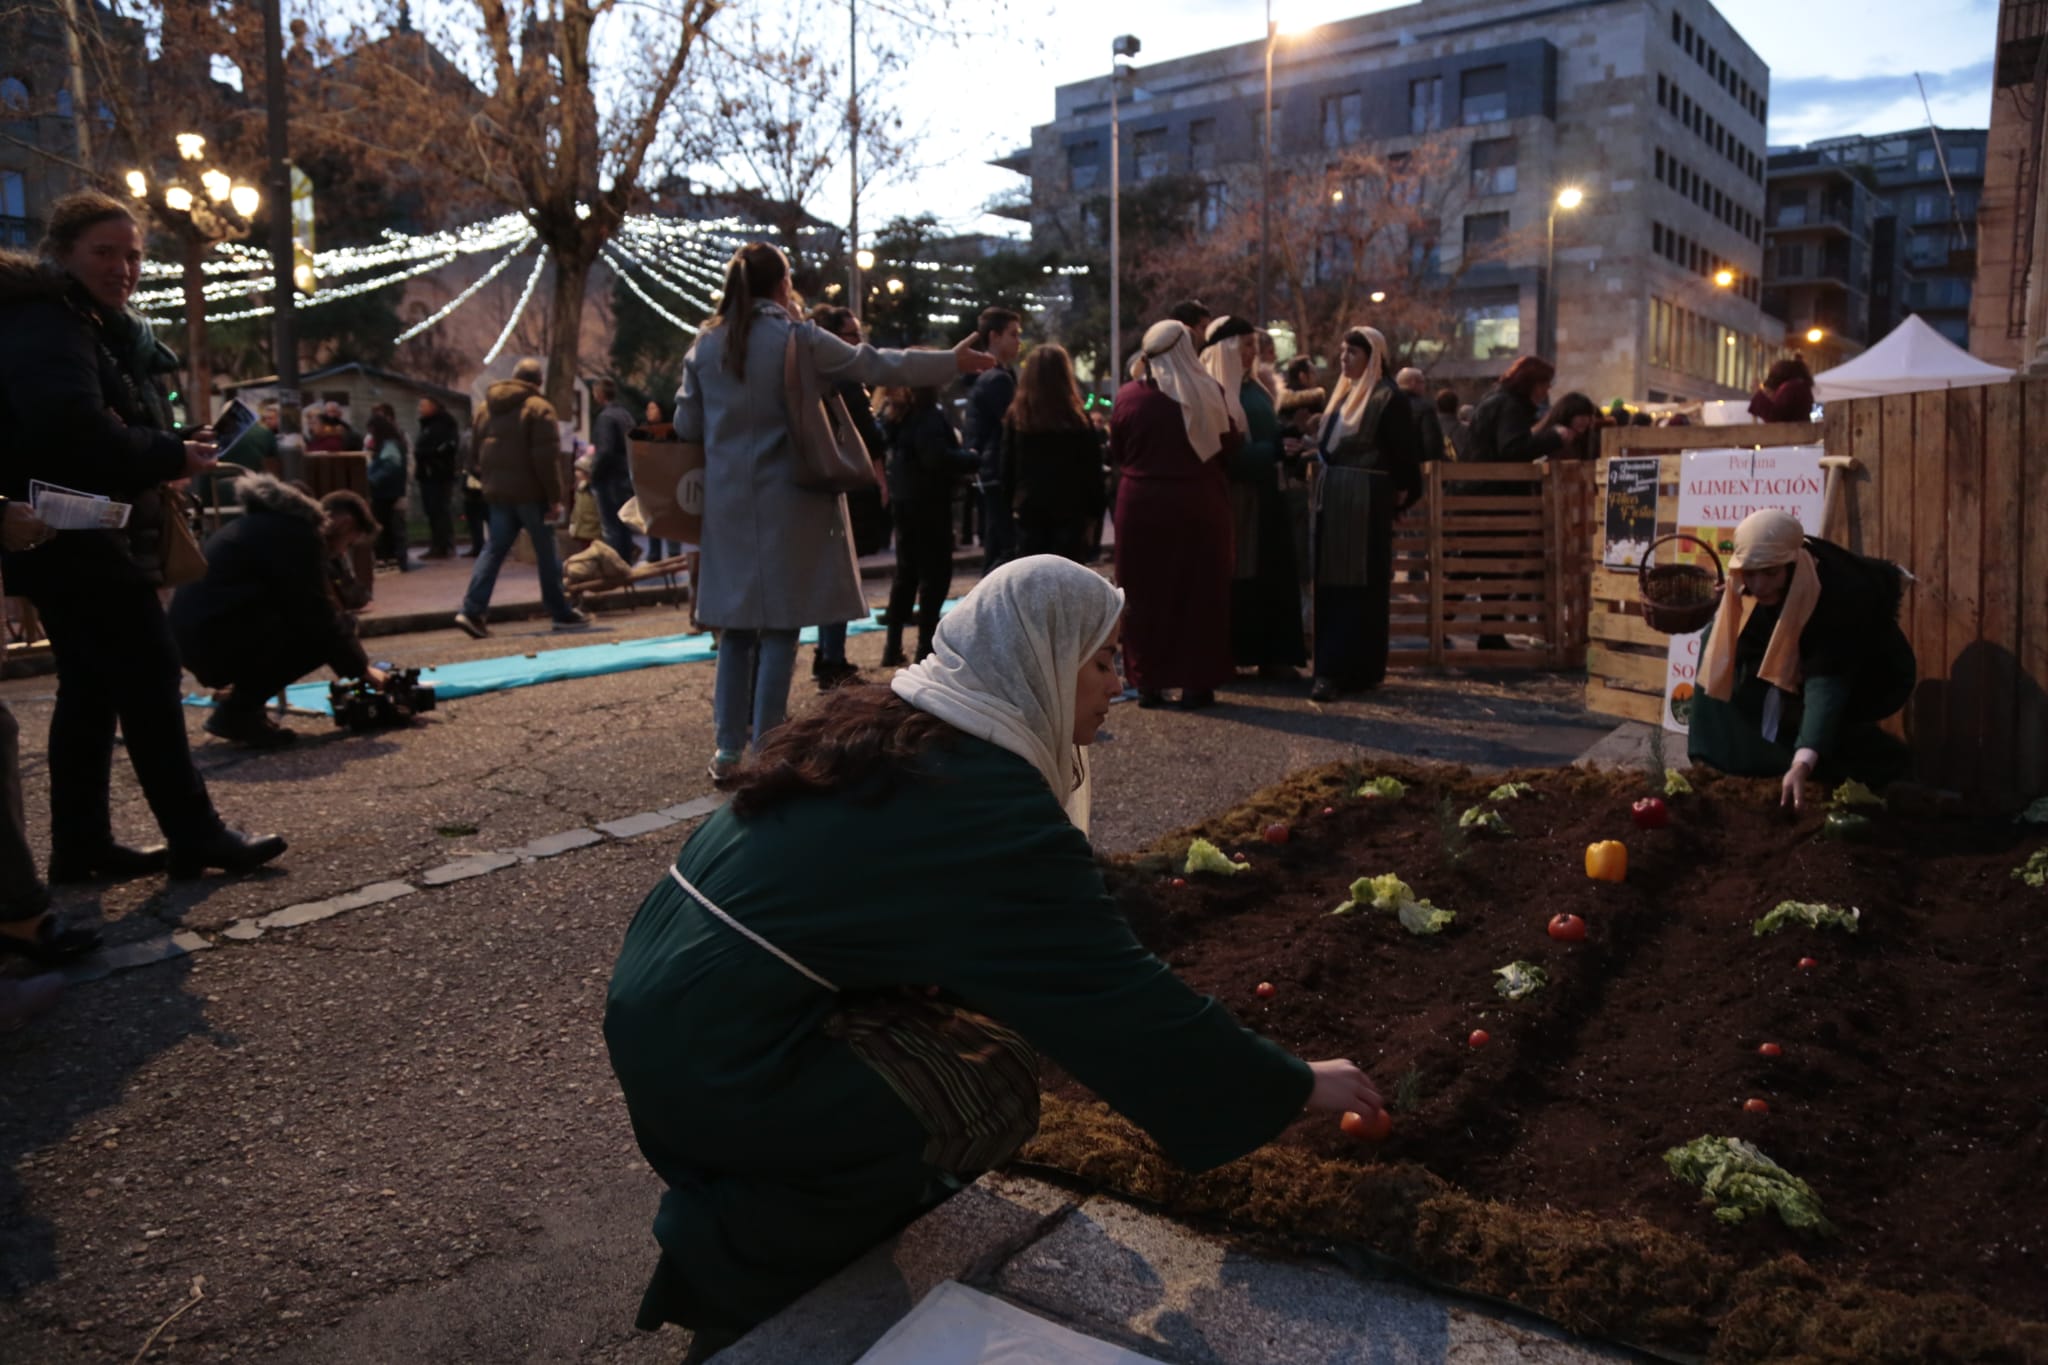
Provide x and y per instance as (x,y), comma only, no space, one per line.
(1804,108)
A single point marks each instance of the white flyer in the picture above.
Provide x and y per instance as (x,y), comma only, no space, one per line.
(68,509)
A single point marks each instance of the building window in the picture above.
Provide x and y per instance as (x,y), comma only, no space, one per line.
(1926,207)
(1483,230)
(1791,260)
(1424,258)
(1483,95)
(1202,144)
(1215,204)
(1926,163)
(1963,161)
(1496,330)
(1343,119)
(1426,104)
(1083,168)
(13,195)
(1493,166)
(63,103)
(1150,148)
(13,95)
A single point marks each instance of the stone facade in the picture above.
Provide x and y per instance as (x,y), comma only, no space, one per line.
(1654,109)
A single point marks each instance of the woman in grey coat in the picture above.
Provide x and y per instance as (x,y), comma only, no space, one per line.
(775,557)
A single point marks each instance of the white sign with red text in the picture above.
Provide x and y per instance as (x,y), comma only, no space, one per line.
(1716,490)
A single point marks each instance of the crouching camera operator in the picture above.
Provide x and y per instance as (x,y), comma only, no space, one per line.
(264,615)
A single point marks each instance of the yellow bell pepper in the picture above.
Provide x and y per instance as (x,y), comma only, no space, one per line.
(1607,861)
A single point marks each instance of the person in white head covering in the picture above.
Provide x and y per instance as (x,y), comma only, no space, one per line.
(1369,469)
(1174,547)
(1802,660)
(1265,602)
(894,917)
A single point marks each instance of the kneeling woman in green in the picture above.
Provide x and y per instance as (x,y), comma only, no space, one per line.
(1799,686)
(827,1017)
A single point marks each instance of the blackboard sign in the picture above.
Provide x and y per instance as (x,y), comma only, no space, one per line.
(1631,511)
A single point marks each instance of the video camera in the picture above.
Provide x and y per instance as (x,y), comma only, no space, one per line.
(361,705)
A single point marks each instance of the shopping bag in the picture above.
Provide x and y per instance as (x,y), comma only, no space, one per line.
(668,485)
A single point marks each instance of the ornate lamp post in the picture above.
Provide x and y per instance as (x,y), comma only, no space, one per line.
(207,206)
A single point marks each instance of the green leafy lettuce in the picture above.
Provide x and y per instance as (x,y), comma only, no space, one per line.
(1518,979)
(2036,813)
(1390,788)
(1384,892)
(1479,817)
(1740,1181)
(1204,856)
(2034,872)
(1854,793)
(1420,917)
(1511,791)
(1675,783)
(1812,914)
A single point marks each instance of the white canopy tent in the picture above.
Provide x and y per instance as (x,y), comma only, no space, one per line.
(1914,357)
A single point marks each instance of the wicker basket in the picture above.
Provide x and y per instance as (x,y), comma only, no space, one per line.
(1680,598)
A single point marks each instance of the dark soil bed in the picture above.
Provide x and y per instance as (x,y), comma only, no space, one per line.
(1911,1093)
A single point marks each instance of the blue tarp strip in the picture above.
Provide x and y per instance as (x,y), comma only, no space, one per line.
(476,676)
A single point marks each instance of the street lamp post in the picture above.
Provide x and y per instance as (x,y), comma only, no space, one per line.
(209,206)
(284,344)
(1568,198)
(1124,46)
(853,251)
(1266,170)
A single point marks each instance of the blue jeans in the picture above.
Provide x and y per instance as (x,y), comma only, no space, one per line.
(754,669)
(832,642)
(613,494)
(507,520)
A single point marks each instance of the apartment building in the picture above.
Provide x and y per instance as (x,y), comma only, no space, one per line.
(1654,109)
(1820,251)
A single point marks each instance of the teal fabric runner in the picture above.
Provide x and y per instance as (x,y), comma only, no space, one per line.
(475,676)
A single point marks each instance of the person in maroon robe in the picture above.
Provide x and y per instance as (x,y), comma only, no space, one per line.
(1174,545)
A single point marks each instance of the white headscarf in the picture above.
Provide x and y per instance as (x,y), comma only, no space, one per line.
(1170,354)
(1348,399)
(1220,358)
(1005,661)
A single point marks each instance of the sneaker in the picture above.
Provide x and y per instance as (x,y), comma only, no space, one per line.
(1323,689)
(723,767)
(470,626)
(575,620)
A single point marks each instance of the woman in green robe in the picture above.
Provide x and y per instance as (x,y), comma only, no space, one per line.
(824,1019)
(1798,685)
(1265,597)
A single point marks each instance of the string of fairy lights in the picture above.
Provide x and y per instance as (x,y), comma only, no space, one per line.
(662,262)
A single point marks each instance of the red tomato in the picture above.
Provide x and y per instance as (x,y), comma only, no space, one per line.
(1179,883)
(1265,991)
(1755,1106)
(1371,1127)
(1568,928)
(1807,964)
(1769,1050)
(1480,1038)
(1239,858)
(1278,834)
(1651,813)
(1329,810)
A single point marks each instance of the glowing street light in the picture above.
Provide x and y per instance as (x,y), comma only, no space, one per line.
(864,258)
(191,146)
(1568,198)
(1724,278)
(216,183)
(138,184)
(1378,296)
(244,199)
(895,286)
(178,199)
(1815,335)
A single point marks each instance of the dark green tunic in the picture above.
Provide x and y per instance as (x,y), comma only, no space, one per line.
(1265,596)
(1856,669)
(785,1155)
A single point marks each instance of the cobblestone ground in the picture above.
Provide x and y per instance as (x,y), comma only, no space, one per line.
(340,1127)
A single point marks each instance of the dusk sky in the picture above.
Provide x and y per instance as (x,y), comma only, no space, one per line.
(1837,67)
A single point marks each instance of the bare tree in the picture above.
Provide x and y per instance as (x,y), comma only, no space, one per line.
(517,106)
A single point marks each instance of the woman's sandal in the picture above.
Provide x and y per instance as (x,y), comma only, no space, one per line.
(55,943)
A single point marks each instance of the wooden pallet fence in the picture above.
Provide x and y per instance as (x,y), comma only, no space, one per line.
(1479,555)
(1625,659)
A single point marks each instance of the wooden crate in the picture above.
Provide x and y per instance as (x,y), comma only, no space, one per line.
(1479,555)
(1625,659)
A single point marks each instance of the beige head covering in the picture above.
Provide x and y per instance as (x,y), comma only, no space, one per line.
(1347,401)
(1004,664)
(1170,356)
(1220,358)
(1766,539)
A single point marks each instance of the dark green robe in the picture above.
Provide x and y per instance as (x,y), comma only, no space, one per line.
(1265,597)
(1856,668)
(785,1155)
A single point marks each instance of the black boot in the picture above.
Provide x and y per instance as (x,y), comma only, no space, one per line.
(248,725)
(230,850)
(108,862)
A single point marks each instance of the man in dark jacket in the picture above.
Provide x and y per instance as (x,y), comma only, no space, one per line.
(433,458)
(1000,332)
(1415,389)
(611,468)
(263,616)
(519,459)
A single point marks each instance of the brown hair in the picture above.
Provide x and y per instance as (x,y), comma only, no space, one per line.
(834,319)
(994,319)
(1047,397)
(863,741)
(1527,373)
(76,214)
(1786,370)
(343,502)
(751,275)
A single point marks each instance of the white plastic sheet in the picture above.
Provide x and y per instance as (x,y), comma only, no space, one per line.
(955,1325)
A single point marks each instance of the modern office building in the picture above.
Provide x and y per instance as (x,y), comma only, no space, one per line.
(1655,109)
(1820,249)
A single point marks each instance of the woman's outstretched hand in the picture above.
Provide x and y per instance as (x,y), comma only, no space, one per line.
(1341,1086)
(970,360)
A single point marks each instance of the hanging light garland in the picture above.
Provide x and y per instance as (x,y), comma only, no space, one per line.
(465,296)
(626,279)
(518,309)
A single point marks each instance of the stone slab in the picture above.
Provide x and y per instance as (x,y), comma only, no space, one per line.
(145,953)
(633,826)
(243,931)
(553,845)
(1134,1277)
(690,810)
(311,912)
(965,1239)
(462,869)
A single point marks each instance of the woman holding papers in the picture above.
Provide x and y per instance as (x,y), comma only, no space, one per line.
(82,407)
